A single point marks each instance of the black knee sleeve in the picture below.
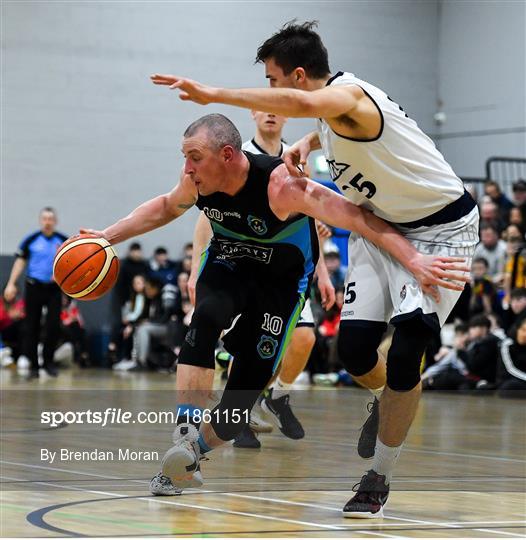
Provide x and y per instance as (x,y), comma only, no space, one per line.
(209,319)
(410,340)
(358,344)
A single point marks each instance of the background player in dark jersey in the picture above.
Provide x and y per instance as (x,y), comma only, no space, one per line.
(35,255)
(259,265)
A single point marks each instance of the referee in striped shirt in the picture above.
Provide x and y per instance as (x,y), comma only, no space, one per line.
(35,254)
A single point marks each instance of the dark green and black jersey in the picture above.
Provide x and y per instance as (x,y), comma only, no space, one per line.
(247,232)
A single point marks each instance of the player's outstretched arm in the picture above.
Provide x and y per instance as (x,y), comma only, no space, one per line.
(202,235)
(289,195)
(152,214)
(328,102)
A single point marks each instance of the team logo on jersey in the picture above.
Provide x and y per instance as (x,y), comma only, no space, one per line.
(336,169)
(213,214)
(267,347)
(257,225)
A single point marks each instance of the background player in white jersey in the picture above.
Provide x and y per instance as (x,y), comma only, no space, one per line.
(381,160)
(276,400)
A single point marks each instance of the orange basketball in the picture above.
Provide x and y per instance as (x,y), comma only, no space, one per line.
(86,267)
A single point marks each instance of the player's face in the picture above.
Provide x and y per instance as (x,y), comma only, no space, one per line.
(202,164)
(276,77)
(268,123)
(48,222)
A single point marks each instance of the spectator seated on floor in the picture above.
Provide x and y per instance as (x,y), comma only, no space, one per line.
(132,264)
(133,311)
(152,333)
(493,250)
(449,372)
(511,372)
(11,325)
(517,308)
(162,268)
(482,352)
(72,331)
(484,298)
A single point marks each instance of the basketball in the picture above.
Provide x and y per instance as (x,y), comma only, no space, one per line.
(86,267)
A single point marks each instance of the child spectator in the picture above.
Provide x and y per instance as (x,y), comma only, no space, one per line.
(482,351)
(483,292)
(511,375)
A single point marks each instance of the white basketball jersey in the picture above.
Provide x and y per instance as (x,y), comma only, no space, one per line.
(400,175)
(253,147)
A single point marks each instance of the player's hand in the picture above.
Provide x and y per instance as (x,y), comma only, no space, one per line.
(10,292)
(433,272)
(295,157)
(327,292)
(188,90)
(100,234)
(324,232)
(192,281)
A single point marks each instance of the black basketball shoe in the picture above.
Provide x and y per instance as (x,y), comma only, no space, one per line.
(246,439)
(371,496)
(367,440)
(281,413)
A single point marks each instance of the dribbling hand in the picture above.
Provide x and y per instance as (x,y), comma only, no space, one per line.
(100,234)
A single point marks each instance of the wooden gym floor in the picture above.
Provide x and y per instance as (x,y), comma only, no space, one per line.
(461,474)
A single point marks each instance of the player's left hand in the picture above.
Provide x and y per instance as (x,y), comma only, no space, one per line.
(328,295)
(433,272)
(188,90)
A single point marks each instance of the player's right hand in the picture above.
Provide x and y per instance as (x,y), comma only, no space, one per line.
(10,292)
(100,234)
(295,157)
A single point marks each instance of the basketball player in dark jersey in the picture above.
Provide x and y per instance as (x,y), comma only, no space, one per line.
(259,265)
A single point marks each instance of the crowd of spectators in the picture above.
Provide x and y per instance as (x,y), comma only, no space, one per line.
(481,348)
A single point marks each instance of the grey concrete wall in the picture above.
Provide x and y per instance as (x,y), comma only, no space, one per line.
(482,82)
(85,131)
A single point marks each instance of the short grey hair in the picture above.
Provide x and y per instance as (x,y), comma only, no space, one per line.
(221,131)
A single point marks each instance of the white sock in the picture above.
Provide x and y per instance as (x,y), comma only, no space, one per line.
(280,388)
(385,458)
(377,392)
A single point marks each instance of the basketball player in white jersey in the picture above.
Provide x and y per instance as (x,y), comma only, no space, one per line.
(276,401)
(380,160)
